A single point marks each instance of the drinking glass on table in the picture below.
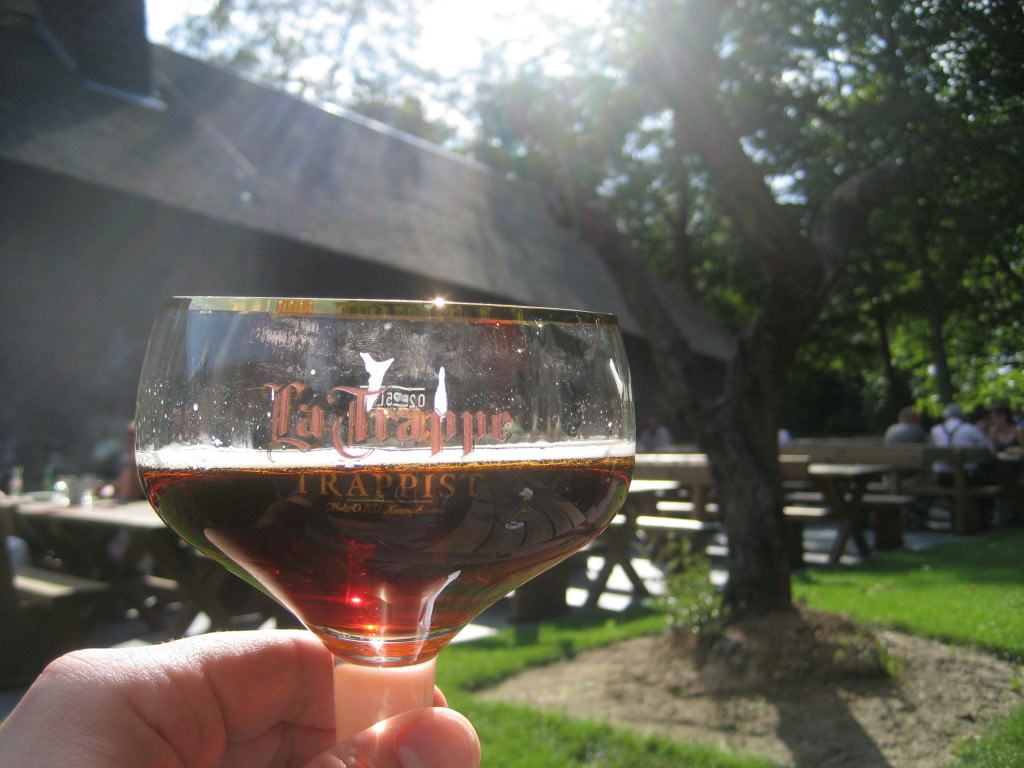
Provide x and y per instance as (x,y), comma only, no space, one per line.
(385,469)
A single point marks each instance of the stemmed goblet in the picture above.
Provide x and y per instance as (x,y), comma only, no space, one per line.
(385,469)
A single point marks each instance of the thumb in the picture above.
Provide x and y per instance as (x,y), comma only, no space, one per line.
(433,737)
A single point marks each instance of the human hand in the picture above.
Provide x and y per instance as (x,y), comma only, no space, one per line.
(252,699)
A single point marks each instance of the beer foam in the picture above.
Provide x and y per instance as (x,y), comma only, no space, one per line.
(210,457)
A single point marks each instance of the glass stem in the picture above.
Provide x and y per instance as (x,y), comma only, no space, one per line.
(366,695)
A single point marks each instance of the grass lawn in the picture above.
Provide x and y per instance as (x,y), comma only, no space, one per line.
(970,591)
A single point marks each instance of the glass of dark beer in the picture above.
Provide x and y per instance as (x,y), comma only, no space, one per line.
(385,469)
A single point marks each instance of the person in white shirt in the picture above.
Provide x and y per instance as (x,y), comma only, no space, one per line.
(954,431)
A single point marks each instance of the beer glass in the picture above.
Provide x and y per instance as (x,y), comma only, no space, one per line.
(385,469)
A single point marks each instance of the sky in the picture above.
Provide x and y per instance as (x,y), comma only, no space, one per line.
(452,29)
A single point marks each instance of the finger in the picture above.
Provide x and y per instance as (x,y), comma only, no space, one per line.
(264,693)
(273,694)
(263,677)
(423,738)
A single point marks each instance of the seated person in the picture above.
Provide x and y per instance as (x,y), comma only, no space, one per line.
(654,437)
(127,486)
(907,428)
(17,552)
(953,430)
(1002,430)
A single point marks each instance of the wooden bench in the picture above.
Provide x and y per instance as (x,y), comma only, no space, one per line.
(804,507)
(684,508)
(969,503)
(543,597)
(797,516)
(889,513)
(43,613)
(966,504)
(46,586)
(659,532)
(683,525)
(617,545)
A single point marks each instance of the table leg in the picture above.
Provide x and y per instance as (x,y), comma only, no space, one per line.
(699,498)
(618,542)
(103,553)
(855,513)
(847,501)
(199,580)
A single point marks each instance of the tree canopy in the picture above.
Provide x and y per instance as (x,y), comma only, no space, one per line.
(929,307)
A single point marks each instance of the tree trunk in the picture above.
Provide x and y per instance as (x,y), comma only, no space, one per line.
(730,389)
(935,310)
(896,393)
(748,485)
(733,410)
(936,317)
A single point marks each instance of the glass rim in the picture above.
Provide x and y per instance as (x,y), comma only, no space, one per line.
(408,308)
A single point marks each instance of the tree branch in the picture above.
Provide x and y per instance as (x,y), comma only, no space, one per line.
(661,312)
(686,68)
(842,217)
(690,349)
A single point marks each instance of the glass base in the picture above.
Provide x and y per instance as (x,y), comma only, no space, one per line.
(366,695)
(376,652)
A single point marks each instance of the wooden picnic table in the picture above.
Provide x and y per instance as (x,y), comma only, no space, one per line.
(42,613)
(692,471)
(911,473)
(105,514)
(130,547)
(843,486)
(615,545)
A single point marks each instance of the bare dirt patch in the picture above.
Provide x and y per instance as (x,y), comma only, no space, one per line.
(805,688)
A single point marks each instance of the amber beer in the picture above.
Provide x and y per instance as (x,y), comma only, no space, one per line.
(387,562)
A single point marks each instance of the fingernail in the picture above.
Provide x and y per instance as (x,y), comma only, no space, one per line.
(439,738)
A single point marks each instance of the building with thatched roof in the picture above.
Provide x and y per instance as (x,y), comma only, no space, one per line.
(129,173)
